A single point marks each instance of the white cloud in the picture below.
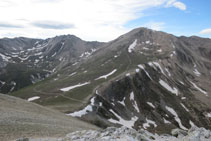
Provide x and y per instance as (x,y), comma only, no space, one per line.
(52,25)
(206,31)
(155,25)
(101,20)
(5,3)
(176,4)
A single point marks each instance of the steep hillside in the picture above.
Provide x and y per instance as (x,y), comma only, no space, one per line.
(20,118)
(143,79)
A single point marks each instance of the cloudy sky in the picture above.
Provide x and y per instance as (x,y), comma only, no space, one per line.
(102,20)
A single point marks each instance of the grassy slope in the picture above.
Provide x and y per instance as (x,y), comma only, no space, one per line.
(20,118)
(49,89)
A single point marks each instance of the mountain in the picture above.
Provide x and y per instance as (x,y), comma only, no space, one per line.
(20,118)
(169,87)
(143,79)
(25,61)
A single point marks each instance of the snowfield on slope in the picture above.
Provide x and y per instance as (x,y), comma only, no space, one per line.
(169,88)
(150,104)
(197,73)
(135,105)
(107,75)
(84,111)
(4,57)
(147,124)
(73,87)
(176,117)
(33,98)
(132,46)
(204,92)
(127,123)
(142,67)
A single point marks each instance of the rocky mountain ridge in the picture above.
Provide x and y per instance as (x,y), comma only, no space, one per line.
(33,60)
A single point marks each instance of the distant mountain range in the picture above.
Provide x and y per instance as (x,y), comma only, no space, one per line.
(143,79)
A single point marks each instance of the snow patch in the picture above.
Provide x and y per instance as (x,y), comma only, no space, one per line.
(75,63)
(196,72)
(151,64)
(159,66)
(132,96)
(204,92)
(36,61)
(38,54)
(145,48)
(176,117)
(147,124)
(147,42)
(87,54)
(24,58)
(182,82)
(2,82)
(132,46)
(4,57)
(142,67)
(14,84)
(184,107)
(122,102)
(54,54)
(84,111)
(166,121)
(81,112)
(173,46)
(183,98)
(169,88)
(135,105)
(160,50)
(33,98)
(126,123)
(107,75)
(73,87)
(150,104)
(55,79)
(192,124)
(169,74)
(72,74)
(208,115)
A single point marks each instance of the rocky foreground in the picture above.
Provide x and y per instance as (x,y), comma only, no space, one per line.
(126,134)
